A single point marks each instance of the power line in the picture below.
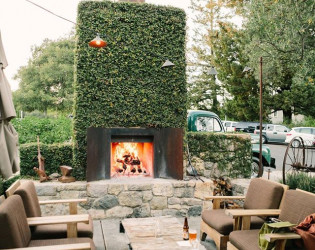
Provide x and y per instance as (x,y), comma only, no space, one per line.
(51,12)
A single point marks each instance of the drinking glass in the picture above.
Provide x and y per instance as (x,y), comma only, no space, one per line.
(193,238)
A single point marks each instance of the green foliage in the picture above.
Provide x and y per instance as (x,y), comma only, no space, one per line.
(306,122)
(231,153)
(49,130)
(55,156)
(47,80)
(5,184)
(123,84)
(282,32)
(230,60)
(302,181)
(1,186)
(203,89)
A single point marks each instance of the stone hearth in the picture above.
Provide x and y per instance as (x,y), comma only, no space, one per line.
(129,197)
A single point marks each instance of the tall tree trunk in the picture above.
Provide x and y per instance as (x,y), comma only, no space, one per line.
(287,115)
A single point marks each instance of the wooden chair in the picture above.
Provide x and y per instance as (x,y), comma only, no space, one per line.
(15,231)
(27,191)
(296,206)
(261,194)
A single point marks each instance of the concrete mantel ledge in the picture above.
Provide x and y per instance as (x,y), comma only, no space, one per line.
(129,197)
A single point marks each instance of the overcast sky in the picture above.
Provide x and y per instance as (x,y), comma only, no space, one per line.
(23,25)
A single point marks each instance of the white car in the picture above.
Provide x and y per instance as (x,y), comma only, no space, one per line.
(306,133)
(229,126)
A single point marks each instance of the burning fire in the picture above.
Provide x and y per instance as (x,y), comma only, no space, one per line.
(126,159)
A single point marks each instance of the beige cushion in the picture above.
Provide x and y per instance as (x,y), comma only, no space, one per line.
(60,231)
(222,223)
(14,230)
(263,194)
(28,194)
(297,205)
(245,239)
(38,243)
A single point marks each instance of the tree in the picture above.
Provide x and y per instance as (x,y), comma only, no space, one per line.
(204,90)
(282,32)
(242,92)
(46,82)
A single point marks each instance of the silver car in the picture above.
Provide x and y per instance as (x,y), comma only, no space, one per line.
(273,133)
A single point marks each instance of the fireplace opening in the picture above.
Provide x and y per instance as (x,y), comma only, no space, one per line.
(132,152)
(131,157)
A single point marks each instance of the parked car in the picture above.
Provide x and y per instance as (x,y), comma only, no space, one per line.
(267,160)
(306,133)
(206,121)
(229,126)
(247,127)
(273,133)
(199,120)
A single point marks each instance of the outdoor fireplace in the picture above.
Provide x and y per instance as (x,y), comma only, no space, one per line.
(134,152)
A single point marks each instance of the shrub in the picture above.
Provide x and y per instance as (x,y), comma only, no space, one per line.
(49,130)
(1,186)
(5,184)
(123,85)
(55,155)
(302,181)
(230,153)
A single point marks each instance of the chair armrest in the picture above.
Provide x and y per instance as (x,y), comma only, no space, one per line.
(62,219)
(221,197)
(252,212)
(73,203)
(218,199)
(282,236)
(77,246)
(62,201)
(70,220)
(242,216)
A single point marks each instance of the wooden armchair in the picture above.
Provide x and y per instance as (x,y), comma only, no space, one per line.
(27,191)
(16,233)
(296,206)
(261,194)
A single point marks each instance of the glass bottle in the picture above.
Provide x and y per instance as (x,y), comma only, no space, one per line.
(186,230)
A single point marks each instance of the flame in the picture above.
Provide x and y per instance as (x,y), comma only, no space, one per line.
(127,159)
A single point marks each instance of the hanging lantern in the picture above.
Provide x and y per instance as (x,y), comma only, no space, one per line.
(97,42)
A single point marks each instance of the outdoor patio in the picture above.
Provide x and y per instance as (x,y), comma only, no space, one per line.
(107,235)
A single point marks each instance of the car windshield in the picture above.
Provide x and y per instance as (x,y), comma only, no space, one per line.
(208,124)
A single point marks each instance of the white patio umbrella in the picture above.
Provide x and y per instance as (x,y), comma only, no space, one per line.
(9,154)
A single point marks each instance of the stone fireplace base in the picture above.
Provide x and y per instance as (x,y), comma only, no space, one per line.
(128,197)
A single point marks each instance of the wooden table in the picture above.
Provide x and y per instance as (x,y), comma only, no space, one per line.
(141,233)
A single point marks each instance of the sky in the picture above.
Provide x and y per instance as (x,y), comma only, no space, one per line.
(23,25)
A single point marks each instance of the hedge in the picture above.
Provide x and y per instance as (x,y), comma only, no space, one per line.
(231,153)
(123,84)
(49,130)
(55,155)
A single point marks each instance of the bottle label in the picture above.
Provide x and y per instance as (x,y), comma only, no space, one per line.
(185,234)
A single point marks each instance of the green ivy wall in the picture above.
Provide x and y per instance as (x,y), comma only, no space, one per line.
(229,154)
(123,84)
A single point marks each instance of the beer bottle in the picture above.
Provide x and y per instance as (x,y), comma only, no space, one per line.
(186,230)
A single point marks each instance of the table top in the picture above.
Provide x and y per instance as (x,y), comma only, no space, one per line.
(141,233)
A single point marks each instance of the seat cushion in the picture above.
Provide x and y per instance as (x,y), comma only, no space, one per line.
(297,205)
(263,194)
(245,239)
(60,231)
(38,243)
(14,230)
(222,223)
(28,194)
